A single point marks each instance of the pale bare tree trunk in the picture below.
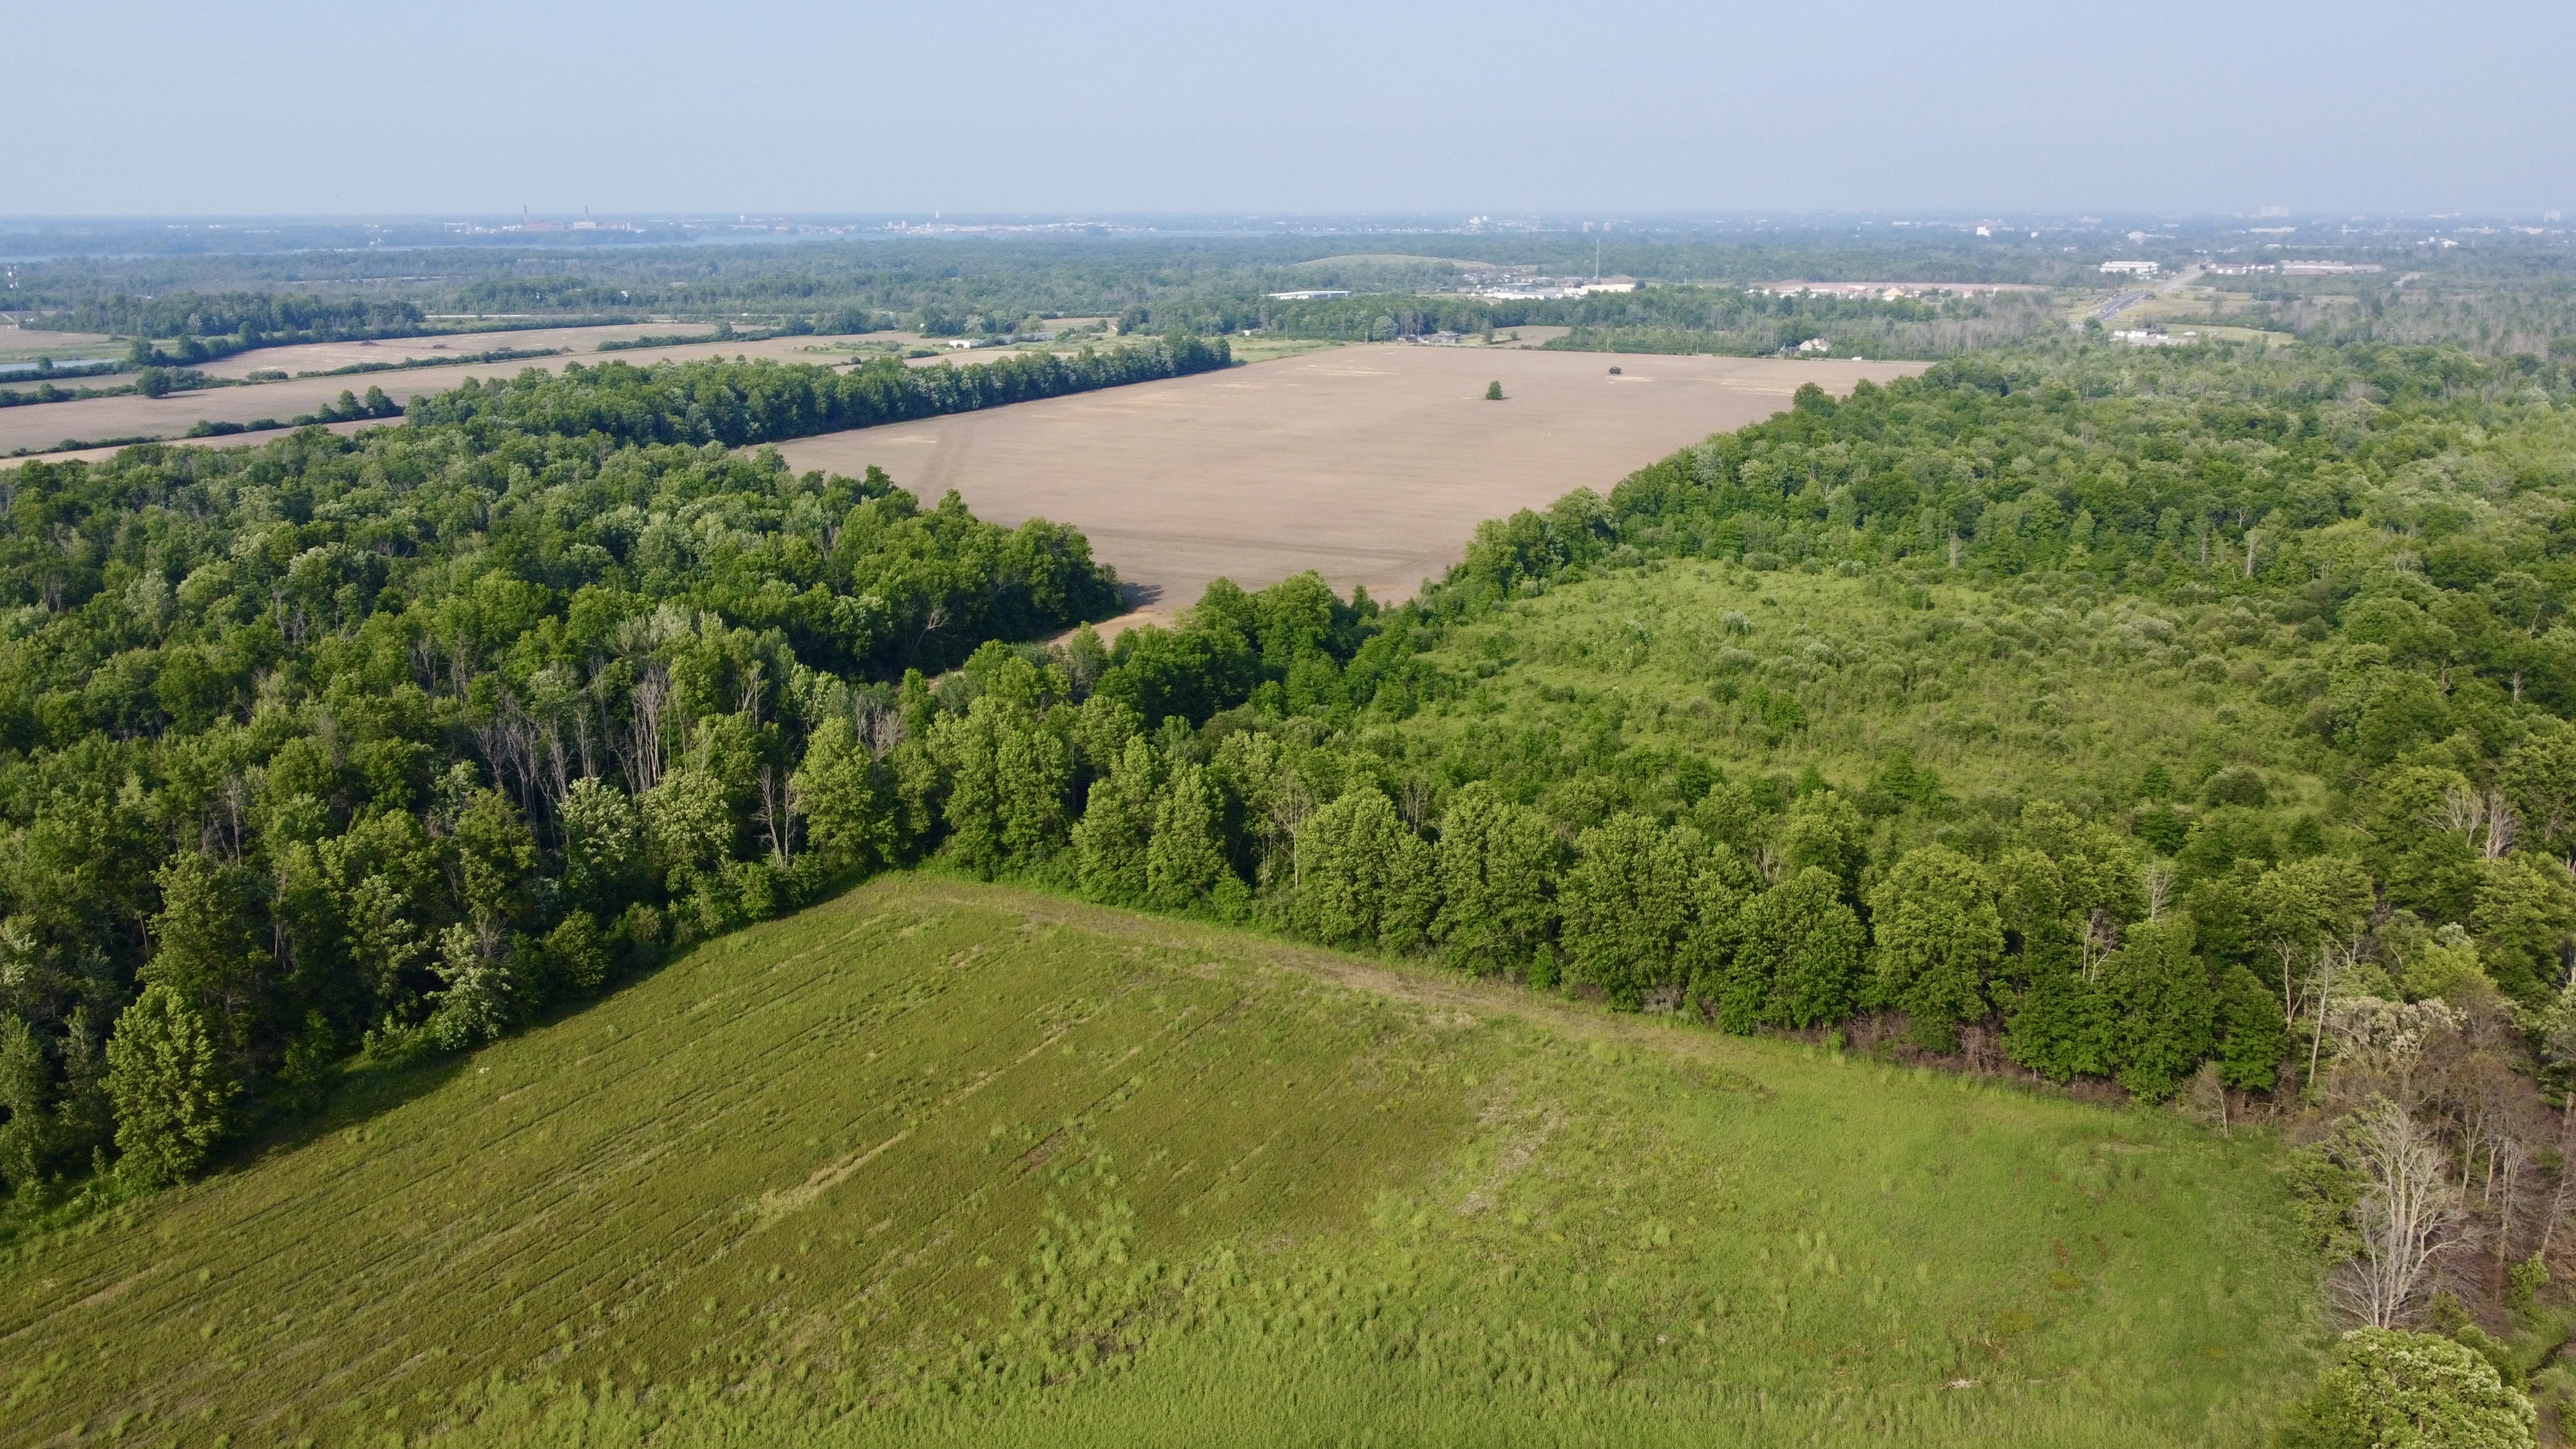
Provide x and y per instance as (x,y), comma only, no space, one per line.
(2409,1212)
(2513,1158)
(777,816)
(2325,986)
(2566,1176)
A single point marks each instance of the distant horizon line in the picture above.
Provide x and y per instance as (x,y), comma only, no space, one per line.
(1453,216)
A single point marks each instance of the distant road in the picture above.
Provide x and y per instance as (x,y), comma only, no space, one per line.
(2127,300)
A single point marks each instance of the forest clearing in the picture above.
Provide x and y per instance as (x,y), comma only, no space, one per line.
(1368,465)
(935,1143)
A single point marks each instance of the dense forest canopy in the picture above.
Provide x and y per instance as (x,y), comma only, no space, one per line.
(202,638)
(273,315)
(393,741)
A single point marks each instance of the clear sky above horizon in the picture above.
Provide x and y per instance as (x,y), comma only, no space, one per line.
(475,107)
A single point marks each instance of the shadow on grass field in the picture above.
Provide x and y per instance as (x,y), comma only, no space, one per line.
(940,1161)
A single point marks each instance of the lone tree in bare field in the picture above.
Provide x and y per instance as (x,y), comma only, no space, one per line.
(1494,391)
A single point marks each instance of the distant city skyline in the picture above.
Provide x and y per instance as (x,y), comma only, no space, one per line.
(282,107)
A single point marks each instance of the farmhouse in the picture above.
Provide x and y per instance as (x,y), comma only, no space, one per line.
(2134,266)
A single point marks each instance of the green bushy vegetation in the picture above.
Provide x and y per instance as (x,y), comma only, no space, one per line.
(939,1160)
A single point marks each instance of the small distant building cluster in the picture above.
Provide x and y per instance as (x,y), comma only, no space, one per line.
(2292,269)
(2131,266)
(1311,294)
(1815,344)
(1549,289)
(1874,291)
(2148,337)
(1435,339)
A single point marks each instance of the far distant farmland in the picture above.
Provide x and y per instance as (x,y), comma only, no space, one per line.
(41,426)
(1370,465)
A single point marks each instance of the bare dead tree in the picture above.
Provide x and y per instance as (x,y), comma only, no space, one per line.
(2101,937)
(558,769)
(2330,956)
(581,739)
(2160,885)
(932,622)
(2485,820)
(1766,860)
(880,723)
(236,798)
(2502,827)
(2460,812)
(2409,1212)
(2560,1195)
(2507,1168)
(1413,801)
(652,703)
(776,815)
(1289,807)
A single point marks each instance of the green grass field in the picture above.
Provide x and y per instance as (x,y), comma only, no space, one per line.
(2001,691)
(941,1161)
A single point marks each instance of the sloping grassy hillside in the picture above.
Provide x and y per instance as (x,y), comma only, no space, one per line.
(946,1159)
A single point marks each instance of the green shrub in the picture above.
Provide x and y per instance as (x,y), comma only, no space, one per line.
(2387,1387)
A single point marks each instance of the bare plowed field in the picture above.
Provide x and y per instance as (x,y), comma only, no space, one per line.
(1369,465)
(46,425)
(323,356)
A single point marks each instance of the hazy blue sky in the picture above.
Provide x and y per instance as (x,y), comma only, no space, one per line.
(267,106)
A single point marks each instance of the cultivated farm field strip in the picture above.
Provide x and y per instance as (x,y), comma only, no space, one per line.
(40,426)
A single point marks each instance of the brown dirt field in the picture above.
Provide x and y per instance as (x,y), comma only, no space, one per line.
(44,425)
(1370,465)
(236,440)
(317,392)
(323,356)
